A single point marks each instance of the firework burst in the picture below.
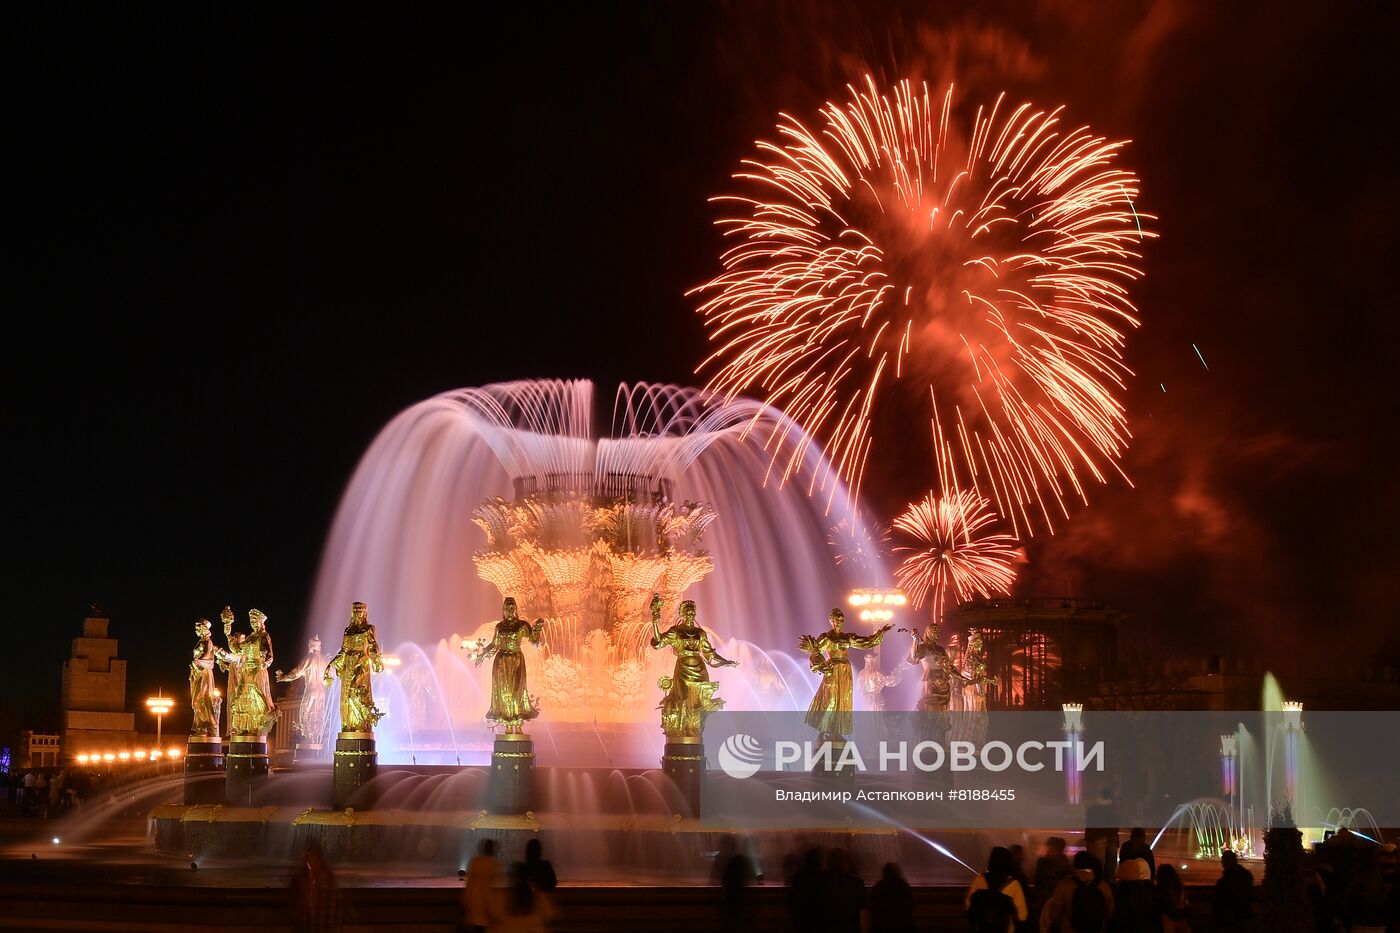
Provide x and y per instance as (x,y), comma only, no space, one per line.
(991,267)
(956,553)
(858,543)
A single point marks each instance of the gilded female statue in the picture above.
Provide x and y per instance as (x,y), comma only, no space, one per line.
(250,707)
(830,712)
(690,694)
(358,656)
(310,721)
(974,675)
(511,705)
(938,669)
(204,698)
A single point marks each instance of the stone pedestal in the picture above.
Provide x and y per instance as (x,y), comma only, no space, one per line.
(246,768)
(683,761)
(512,774)
(355,764)
(832,768)
(204,769)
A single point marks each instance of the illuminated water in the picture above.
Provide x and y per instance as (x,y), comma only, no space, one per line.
(403,541)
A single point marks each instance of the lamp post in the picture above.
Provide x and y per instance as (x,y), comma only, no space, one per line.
(159,705)
(1292,727)
(1074,728)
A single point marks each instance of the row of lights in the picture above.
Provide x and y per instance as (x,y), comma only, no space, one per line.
(154,754)
(876,605)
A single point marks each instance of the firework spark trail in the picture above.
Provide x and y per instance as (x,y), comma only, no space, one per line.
(956,553)
(881,246)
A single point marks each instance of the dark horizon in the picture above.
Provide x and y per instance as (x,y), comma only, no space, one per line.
(244,246)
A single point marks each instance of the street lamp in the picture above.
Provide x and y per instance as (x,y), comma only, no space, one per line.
(159,705)
(1073,725)
(1292,727)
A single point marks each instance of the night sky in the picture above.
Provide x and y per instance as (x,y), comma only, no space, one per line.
(242,241)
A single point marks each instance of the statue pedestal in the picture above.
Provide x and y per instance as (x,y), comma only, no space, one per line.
(356,762)
(247,767)
(683,761)
(832,769)
(204,769)
(512,774)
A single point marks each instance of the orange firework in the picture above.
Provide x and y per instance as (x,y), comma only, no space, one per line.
(993,268)
(955,552)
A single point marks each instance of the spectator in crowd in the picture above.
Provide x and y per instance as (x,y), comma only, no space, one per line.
(1101,832)
(519,908)
(734,874)
(1232,908)
(1172,905)
(1137,847)
(995,900)
(891,902)
(478,894)
(804,894)
(315,902)
(1367,903)
(1081,903)
(538,869)
(843,894)
(1135,902)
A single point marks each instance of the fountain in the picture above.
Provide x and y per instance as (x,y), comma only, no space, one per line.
(507,490)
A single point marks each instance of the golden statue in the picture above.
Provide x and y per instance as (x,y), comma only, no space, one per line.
(310,722)
(250,707)
(690,694)
(830,712)
(204,696)
(938,668)
(358,654)
(974,675)
(511,705)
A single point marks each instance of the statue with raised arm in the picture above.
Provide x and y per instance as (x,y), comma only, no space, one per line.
(827,655)
(511,703)
(250,707)
(937,683)
(205,701)
(357,658)
(310,722)
(690,694)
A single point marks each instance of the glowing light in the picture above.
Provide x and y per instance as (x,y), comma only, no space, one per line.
(955,553)
(991,266)
(109,757)
(124,756)
(159,705)
(82,759)
(155,754)
(172,754)
(55,840)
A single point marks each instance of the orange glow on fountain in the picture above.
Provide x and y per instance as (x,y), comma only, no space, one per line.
(586,555)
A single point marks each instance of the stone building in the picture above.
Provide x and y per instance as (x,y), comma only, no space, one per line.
(95,717)
(38,750)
